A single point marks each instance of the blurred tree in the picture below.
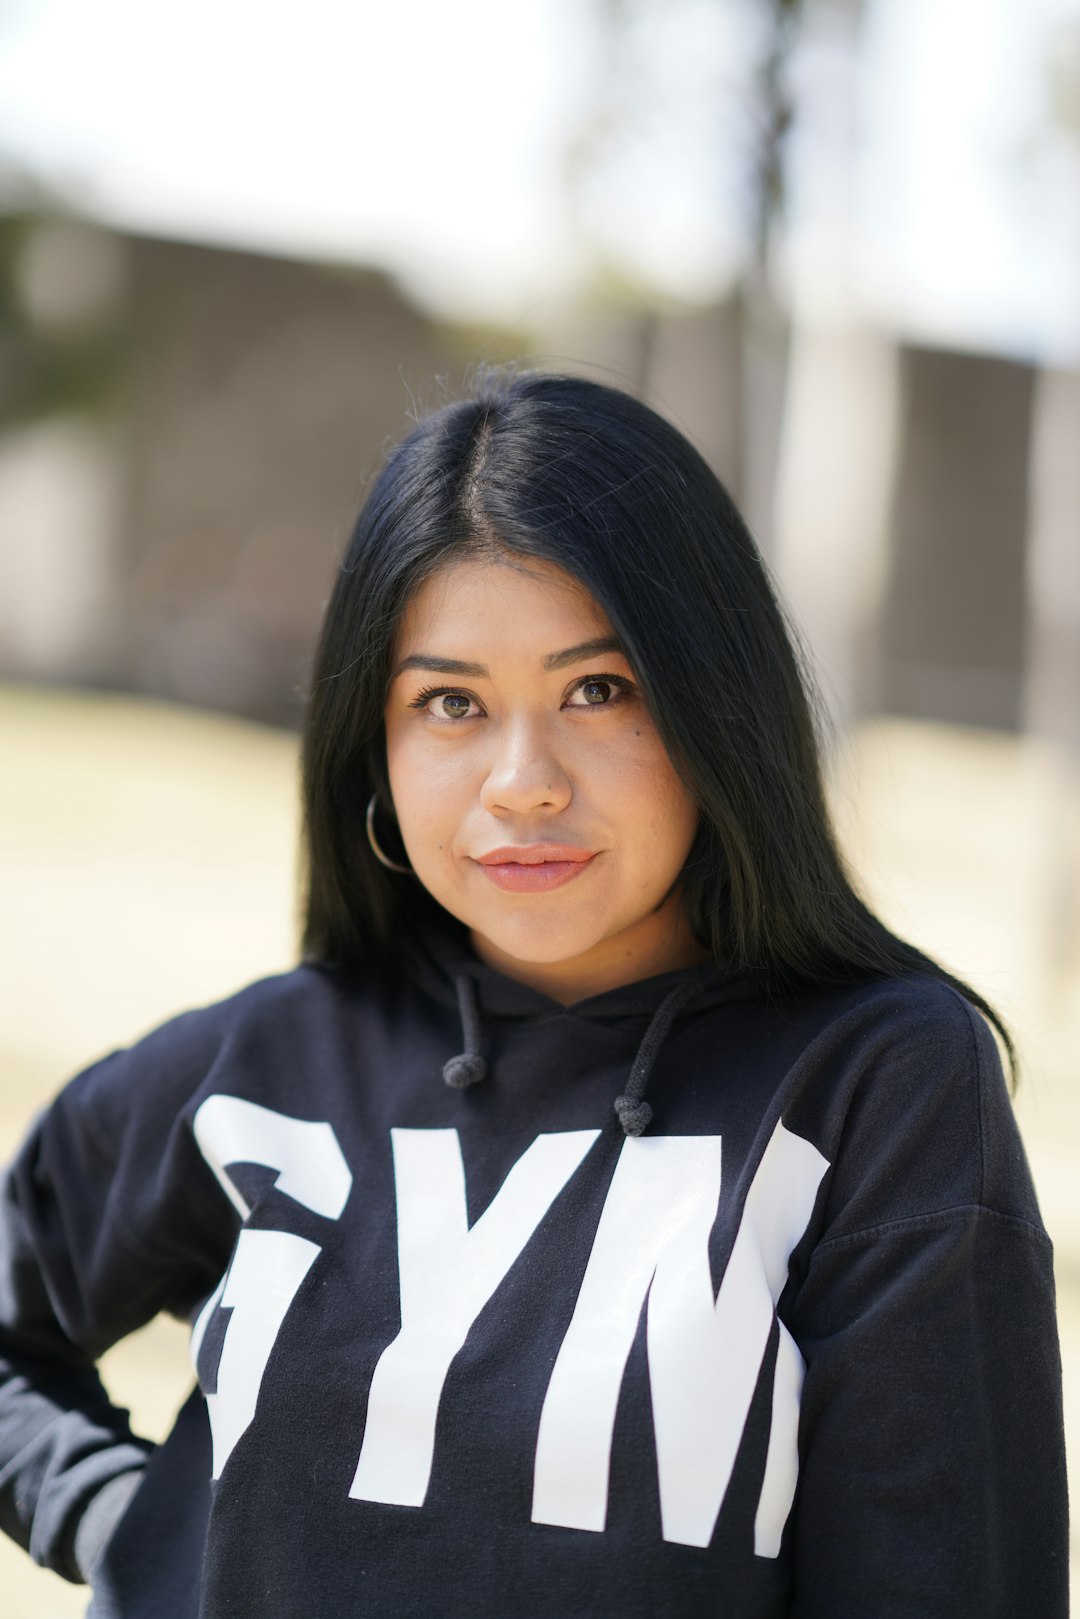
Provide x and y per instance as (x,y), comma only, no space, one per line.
(1063,78)
(775,113)
(648,72)
(61,349)
(700,93)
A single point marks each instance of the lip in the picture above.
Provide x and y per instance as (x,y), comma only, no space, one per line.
(534,868)
(534,854)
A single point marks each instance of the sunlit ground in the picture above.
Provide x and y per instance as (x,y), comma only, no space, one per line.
(147,865)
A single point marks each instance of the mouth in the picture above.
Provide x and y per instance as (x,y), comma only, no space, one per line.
(534,868)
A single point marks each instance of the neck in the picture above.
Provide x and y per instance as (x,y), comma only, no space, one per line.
(608,965)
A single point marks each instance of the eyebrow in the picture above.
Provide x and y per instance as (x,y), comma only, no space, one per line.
(554,660)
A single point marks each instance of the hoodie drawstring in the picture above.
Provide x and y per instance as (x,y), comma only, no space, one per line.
(469,1067)
(634,1112)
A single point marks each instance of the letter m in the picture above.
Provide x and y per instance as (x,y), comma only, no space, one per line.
(705,1352)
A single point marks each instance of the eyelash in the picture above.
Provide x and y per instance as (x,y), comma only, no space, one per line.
(424,696)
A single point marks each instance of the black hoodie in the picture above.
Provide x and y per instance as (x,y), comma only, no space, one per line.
(676,1301)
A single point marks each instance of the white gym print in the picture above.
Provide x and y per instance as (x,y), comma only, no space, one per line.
(267,1267)
(448,1273)
(705,1352)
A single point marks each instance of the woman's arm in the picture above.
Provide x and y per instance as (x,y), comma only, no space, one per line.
(64,1447)
(107,1216)
(933,1474)
(932,1479)
(69,1460)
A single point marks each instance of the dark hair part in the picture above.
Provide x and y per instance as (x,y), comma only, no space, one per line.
(578,474)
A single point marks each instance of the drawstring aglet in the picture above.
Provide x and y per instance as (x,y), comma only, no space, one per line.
(633,1116)
(464,1070)
(469,1067)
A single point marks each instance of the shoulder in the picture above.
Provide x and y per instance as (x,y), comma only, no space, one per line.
(903,1089)
(270,1000)
(912,1039)
(898,1021)
(273,1020)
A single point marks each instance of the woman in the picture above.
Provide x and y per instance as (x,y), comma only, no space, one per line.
(711,1281)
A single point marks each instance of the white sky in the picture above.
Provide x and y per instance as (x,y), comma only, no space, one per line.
(390,132)
(969,201)
(428,137)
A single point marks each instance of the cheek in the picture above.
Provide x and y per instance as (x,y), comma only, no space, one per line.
(431,794)
(651,803)
(420,776)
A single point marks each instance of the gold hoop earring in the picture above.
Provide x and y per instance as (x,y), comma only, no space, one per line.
(384,860)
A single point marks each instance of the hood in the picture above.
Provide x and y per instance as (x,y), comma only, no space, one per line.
(439,957)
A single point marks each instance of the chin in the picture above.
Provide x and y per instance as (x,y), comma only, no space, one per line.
(539,946)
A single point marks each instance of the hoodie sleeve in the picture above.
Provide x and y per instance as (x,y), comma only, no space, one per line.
(932,1471)
(108,1215)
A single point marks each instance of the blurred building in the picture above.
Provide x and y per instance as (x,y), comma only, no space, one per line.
(171,524)
(186,434)
(928,533)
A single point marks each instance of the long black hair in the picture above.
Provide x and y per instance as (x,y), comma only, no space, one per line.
(584,476)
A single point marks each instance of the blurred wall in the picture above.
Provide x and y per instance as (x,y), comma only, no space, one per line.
(187,433)
(954,613)
(177,533)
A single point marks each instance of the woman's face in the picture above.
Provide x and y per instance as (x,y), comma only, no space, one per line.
(535,798)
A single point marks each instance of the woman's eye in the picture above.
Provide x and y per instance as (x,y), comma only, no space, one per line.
(446,706)
(598,691)
(442,704)
(451,705)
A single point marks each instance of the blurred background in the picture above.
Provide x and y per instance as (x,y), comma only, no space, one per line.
(243,246)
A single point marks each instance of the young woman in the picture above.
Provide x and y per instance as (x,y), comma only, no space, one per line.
(609,1216)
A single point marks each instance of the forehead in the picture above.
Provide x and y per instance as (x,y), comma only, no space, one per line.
(528,601)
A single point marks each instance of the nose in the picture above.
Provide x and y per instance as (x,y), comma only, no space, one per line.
(525,774)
